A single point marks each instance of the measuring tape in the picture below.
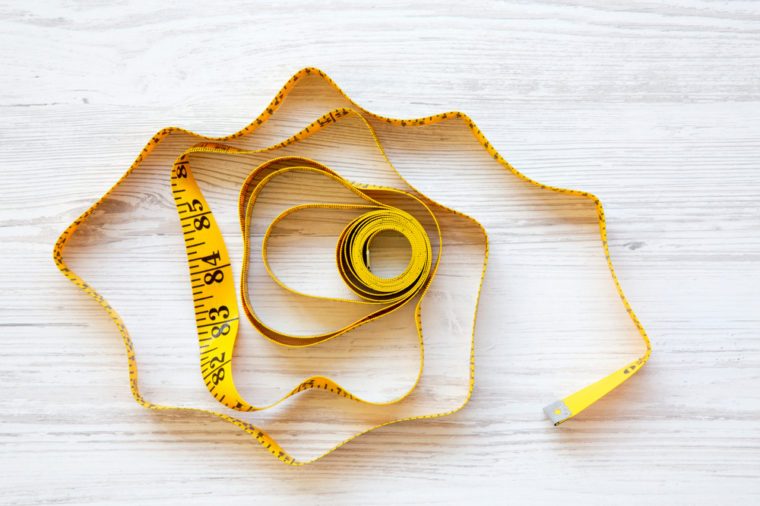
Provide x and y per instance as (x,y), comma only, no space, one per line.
(214,298)
(213,288)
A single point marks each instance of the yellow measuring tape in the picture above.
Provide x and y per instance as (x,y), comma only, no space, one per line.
(210,267)
(214,296)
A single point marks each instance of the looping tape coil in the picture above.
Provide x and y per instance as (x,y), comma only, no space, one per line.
(214,292)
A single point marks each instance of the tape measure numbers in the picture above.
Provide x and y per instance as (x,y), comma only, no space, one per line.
(213,289)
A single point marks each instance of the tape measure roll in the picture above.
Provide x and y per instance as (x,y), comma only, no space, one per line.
(213,289)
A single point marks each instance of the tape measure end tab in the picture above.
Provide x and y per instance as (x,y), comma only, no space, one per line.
(557,412)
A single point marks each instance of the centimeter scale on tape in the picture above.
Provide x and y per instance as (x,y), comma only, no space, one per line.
(213,289)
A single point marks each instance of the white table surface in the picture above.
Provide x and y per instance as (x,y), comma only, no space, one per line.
(653,106)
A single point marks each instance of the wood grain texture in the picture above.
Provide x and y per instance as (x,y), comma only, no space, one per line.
(654,107)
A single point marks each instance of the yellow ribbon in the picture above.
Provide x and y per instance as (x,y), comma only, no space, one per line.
(213,289)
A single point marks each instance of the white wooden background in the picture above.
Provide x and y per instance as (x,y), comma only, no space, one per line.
(653,106)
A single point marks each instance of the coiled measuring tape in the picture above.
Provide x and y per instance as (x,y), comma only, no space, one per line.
(213,290)
(216,307)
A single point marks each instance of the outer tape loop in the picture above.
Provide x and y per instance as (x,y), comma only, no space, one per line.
(214,291)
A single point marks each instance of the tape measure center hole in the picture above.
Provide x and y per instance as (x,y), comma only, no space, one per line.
(388,253)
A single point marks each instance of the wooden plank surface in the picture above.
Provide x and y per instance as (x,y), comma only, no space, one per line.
(654,107)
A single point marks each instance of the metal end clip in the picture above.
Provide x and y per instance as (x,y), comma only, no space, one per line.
(557,412)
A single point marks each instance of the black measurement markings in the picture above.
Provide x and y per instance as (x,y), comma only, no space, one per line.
(221,322)
(207,362)
(198,306)
(211,269)
(194,216)
(187,217)
(212,371)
